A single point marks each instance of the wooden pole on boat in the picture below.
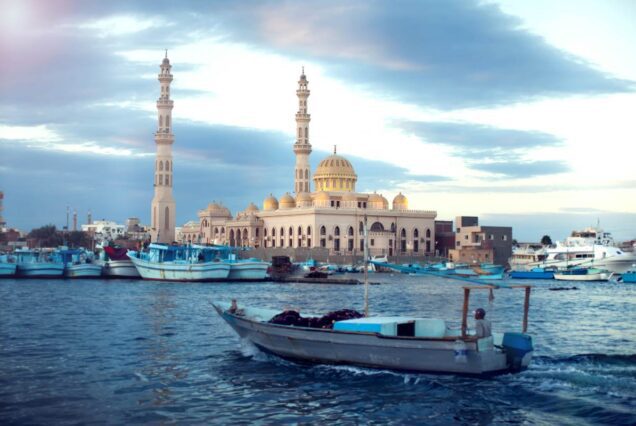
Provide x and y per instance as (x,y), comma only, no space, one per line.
(366,269)
(465,312)
(526,307)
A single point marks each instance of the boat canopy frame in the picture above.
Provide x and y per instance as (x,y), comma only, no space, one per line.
(467,289)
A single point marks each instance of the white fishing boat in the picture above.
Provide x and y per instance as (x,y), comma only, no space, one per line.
(180,263)
(247,269)
(583,274)
(116,263)
(393,342)
(38,264)
(79,263)
(7,265)
(396,343)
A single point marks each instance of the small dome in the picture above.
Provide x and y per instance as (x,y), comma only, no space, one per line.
(303,196)
(321,196)
(349,196)
(270,203)
(287,201)
(377,201)
(375,198)
(217,210)
(400,202)
(214,206)
(251,208)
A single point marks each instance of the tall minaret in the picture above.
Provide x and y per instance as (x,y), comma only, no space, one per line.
(302,147)
(163,206)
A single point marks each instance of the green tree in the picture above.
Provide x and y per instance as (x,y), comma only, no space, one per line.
(78,239)
(46,236)
(546,240)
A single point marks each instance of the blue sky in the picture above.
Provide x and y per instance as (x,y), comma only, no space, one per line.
(520,112)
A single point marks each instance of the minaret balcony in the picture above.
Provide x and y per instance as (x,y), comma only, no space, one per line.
(301,116)
(165,102)
(303,93)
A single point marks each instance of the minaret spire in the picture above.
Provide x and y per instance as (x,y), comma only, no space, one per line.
(302,147)
(163,205)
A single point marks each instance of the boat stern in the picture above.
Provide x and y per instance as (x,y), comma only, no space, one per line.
(518,348)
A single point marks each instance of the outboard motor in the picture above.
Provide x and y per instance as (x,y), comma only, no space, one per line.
(518,348)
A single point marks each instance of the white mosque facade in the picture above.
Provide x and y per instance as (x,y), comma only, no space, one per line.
(331,217)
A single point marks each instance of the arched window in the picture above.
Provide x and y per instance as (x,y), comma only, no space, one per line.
(167,180)
(216,231)
(350,231)
(323,230)
(166,224)
(377,227)
(336,231)
(300,132)
(167,166)
(161,121)
(428,233)
(393,227)
(306,173)
(264,232)
(161,166)
(282,231)
(160,179)
(256,233)
(167,121)
(361,227)
(306,132)
(291,231)
(416,233)
(403,233)
(309,230)
(245,234)
(300,231)
(273,232)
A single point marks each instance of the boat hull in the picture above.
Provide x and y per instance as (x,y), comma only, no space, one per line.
(369,349)
(40,270)
(7,269)
(602,276)
(188,272)
(248,271)
(629,277)
(84,270)
(120,269)
(530,275)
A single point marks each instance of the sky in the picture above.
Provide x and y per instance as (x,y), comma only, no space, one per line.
(519,112)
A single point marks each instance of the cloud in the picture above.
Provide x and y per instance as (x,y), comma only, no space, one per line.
(519,169)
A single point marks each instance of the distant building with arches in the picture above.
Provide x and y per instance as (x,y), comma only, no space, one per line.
(330,218)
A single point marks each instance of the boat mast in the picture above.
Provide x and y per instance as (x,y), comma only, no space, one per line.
(366,268)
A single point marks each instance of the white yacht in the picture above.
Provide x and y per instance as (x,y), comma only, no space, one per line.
(591,247)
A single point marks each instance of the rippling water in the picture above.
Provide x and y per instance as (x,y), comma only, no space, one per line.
(139,352)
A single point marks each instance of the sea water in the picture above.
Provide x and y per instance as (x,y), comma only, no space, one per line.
(130,352)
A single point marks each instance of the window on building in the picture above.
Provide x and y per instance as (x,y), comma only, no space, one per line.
(350,231)
(416,233)
(167,180)
(372,242)
(416,246)
(403,233)
(323,230)
(332,203)
(504,237)
(309,231)
(350,245)
(492,237)
(465,237)
(336,231)
(273,232)
(362,244)
(361,227)
(458,243)
(323,243)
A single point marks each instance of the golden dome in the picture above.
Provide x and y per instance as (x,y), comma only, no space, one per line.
(303,196)
(287,201)
(400,202)
(377,201)
(335,173)
(270,203)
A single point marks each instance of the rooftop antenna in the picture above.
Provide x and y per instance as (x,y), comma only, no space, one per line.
(303,67)
(166,53)
(334,150)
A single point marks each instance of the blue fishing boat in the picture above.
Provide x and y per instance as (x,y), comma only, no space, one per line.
(533,274)
(79,263)
(7,265)
(629,276)
(38,264)
(180,263)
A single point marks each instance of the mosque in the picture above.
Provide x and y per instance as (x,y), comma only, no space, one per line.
(329,217)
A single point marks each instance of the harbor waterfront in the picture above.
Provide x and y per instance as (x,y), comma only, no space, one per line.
(129,351)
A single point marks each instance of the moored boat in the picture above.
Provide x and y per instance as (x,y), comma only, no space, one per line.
(38,264)
(247,269)
(533,274)
(117,264)
(180,263)
(629,276)
(7,266)
(79,263)
(583,274)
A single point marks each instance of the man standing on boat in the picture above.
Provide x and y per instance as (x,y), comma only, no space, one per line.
(483,327)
